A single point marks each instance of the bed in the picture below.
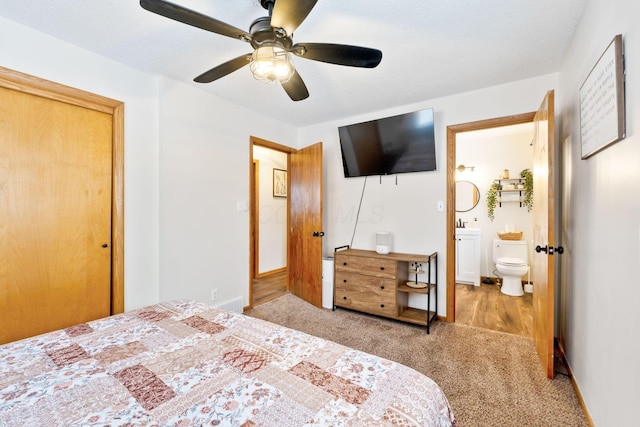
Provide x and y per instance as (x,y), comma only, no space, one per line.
(183,363)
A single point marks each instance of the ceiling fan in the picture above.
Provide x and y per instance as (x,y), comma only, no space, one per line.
(272,40)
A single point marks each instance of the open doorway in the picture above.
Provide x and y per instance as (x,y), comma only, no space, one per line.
(303,222)
(474,302)
(269,218)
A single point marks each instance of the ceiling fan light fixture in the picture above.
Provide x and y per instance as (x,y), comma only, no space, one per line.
(271,63)
(271,38)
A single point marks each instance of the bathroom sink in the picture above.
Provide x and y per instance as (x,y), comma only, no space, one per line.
(472,231)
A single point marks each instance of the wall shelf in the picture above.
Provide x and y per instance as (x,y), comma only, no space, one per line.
(510,182)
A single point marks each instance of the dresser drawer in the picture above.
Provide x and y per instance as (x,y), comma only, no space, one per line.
(364,293)
(385,268)
(369,285)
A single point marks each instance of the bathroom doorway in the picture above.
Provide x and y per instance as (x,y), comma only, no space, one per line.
(544,217)
(478,153)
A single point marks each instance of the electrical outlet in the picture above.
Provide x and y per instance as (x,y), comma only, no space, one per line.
(214,294)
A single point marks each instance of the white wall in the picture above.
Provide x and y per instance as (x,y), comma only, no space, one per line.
(601,228)
(34,53)
(204,175)
(409,209)
(490,152)
(272,212)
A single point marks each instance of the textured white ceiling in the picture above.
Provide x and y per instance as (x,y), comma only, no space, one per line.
(431,48)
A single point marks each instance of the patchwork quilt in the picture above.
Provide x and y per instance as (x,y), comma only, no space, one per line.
(183,363)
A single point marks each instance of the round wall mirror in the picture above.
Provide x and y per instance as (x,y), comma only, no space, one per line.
(467,196)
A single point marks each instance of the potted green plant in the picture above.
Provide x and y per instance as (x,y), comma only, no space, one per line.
(527,198)
(492,199)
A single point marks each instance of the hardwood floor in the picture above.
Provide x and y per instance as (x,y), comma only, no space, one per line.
(486,307)
(269,287)
(482,306)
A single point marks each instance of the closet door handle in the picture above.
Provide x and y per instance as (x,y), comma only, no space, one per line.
(104,245)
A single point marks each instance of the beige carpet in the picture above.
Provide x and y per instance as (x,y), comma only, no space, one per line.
(491,378)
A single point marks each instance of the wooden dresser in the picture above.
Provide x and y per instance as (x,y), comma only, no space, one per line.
(377,284)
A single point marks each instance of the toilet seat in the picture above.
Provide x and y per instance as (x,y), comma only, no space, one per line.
(511,262)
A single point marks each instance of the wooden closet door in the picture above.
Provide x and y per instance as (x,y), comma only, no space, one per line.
(55,214)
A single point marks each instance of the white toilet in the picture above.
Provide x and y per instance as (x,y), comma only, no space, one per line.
(511,259)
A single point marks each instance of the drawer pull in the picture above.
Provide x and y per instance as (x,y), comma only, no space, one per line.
(382,287)
(381,268)
(382,305)
(345,280)
(344,297)
(344,263)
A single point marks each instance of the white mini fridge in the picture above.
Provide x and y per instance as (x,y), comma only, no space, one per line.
(327,282)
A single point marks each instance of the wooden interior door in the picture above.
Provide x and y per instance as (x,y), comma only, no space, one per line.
(305,224)
(543,265)
(55,214)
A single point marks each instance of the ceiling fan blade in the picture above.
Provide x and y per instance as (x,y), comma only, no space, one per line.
(340,54)
(295,87)
(223,69)
(289,14)
(195,19)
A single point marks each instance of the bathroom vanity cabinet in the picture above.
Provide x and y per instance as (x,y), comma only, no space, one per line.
(468,250)
(377,284)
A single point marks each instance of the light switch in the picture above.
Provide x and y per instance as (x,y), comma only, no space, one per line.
(243,206)
(440,206)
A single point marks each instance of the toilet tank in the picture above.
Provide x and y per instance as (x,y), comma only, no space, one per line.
(511,249)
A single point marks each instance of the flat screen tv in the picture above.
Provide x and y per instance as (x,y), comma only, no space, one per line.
(397,144)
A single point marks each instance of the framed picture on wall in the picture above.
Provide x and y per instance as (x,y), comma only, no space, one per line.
(279,183)
(602,109)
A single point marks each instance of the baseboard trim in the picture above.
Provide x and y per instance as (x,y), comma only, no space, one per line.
(576,388)
(497,280)
(270,273)
(583,405)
